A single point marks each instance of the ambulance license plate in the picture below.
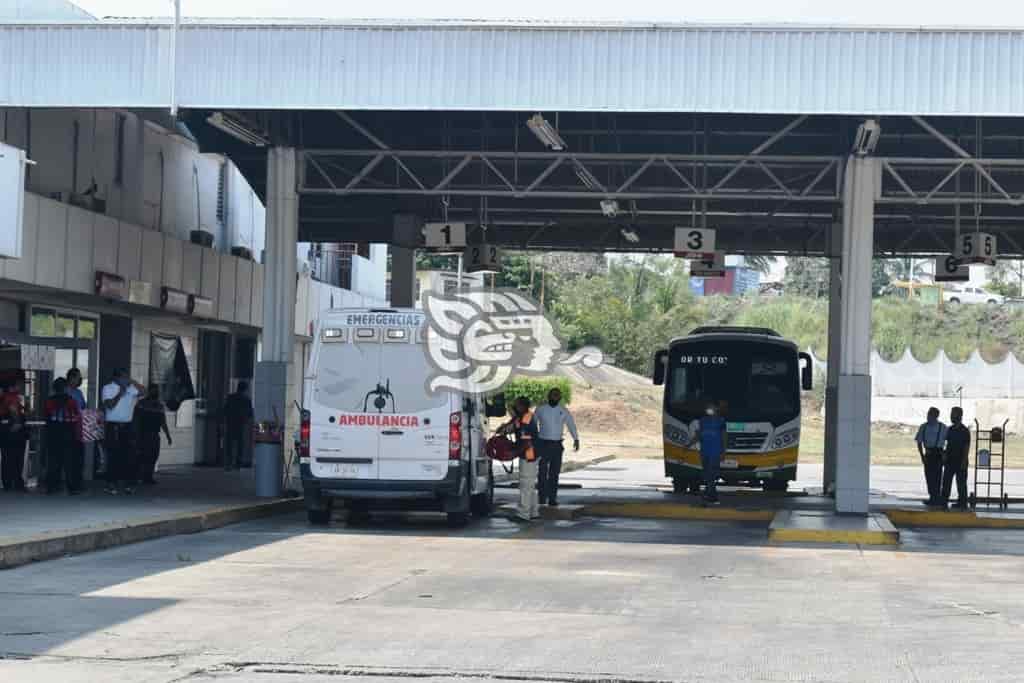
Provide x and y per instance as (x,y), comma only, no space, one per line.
(730,464)
(343,470)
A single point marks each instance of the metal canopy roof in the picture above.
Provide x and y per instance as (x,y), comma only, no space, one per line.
(768,184)
(485,66)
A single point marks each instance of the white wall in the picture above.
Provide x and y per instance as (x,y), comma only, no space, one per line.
(158,188)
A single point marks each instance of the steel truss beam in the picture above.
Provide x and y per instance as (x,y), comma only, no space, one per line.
(525,175)
(544,175)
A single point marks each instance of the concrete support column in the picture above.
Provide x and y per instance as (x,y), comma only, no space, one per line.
(405,237)
(279,269)
(835,342)
(853,390)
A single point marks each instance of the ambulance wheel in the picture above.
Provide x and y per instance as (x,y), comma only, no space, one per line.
(482,504)
(358,512)
(319,517)
(458,519)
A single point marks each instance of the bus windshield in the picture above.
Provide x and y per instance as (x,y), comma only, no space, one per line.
(749,381)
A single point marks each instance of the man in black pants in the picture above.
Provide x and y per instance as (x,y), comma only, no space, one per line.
(238,415)
(13,435)
(958,445)
(931,438)
(118,400)
(552,420)
(63,457)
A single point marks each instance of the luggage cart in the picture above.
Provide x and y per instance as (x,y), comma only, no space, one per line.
(989,467)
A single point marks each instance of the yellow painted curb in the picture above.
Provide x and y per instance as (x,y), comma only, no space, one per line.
(957,520)
(791,526)
(837,536)
(677,511)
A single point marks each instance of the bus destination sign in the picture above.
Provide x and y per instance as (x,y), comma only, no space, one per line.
(704,360)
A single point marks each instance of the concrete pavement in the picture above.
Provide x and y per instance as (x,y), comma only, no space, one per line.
(594,599)
(34,526)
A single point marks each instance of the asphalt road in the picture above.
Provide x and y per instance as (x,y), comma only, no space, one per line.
(566,602)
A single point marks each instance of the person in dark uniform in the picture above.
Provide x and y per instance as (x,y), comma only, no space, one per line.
(711,435)
(238,415)
(150,420)
(958,446)
(13,436)
(63,458)
(931,437)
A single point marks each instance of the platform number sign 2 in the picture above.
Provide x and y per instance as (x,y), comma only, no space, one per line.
(480,258)
(977,247)
(695,243)
(444,236)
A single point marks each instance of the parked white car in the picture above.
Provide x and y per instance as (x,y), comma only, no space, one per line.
(969,294)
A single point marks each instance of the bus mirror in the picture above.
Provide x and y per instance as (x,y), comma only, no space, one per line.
(495,406)
(806,372)
(660,363)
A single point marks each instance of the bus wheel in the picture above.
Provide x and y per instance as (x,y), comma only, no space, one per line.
(776,485)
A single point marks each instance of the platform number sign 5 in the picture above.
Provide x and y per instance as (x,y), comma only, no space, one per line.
(977,247)
(445,236)
(482,258)
(694,243)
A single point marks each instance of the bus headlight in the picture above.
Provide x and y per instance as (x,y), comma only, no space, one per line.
(786,438)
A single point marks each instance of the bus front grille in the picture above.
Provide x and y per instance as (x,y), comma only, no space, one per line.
(747,441)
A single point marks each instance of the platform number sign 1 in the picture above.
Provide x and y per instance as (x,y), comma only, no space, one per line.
(949,269)
(695,243)
(977,247)
(482,258)
(444,236)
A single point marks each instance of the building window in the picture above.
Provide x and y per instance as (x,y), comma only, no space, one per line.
(119,149)
(60,325)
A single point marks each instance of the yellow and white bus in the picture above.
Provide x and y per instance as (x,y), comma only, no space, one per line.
(754,377)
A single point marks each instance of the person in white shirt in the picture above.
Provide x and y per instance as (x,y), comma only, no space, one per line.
(118,400)
(552,420)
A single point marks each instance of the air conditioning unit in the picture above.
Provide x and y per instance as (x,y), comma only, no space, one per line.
(201,237)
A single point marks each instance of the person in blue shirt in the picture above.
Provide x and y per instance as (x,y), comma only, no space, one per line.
(711,431)
(74,378)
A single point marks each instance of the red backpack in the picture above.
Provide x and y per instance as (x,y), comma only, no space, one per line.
(500,448)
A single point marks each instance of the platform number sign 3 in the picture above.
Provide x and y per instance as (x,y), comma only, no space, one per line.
(695,243)
(977,247)
(445,236)
(482,258)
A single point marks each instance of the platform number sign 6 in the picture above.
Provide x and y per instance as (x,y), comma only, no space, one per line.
(482,257)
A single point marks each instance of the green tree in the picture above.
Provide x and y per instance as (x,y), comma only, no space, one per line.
(761,264)
(806,276)
(879,277)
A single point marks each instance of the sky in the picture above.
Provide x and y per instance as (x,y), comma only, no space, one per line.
(983,13)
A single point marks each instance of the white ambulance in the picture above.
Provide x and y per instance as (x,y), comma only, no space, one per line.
(374,437)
